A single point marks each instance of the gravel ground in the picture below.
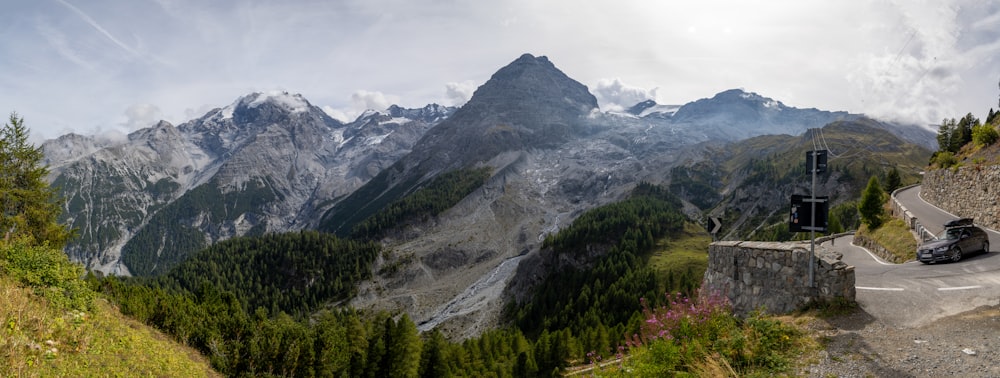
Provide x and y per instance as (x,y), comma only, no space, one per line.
(859,345)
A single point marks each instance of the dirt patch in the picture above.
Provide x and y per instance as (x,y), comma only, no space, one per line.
(859,345)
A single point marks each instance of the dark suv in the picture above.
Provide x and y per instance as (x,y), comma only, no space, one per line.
(959,236)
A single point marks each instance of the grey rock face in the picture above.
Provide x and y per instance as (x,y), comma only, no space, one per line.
(275,142)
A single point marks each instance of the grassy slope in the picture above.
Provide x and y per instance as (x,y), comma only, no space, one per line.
(688,252)
(37,339)
(894,236)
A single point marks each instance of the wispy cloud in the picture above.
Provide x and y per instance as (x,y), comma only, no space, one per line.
(110,63)
(97,26)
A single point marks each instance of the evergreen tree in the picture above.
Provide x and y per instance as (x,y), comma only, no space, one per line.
(29,205)
(944,137)
(892,180)
(962,133)
(434,358)
(403,348)
(870,206)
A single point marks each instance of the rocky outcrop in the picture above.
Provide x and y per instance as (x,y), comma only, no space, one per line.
(968,192)
(269,162)
(775,276)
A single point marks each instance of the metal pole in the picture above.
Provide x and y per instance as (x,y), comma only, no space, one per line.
(812,222)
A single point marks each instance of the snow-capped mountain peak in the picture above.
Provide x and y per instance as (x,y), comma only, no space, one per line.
(293,103)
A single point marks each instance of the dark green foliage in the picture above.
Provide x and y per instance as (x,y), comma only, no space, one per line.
(603,301)
(367,200)
(330,343)
(650,208)
(439,195)
(47,270)
(28,206)
(952,134)
(292,272)
(167,239)
(205,303)
(870,207)
(846,216)
(697,184)
(892,180)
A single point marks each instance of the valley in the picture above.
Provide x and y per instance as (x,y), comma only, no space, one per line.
(457,208)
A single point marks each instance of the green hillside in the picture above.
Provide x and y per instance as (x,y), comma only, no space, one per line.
(968,142)
(748,183)
(54,326)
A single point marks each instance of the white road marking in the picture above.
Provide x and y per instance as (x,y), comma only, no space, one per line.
(879,288)
(959,288)
(874,256)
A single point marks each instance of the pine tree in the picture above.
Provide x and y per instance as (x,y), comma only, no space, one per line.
(870,206)
(29,204)
(404,348)
(892,180)
(434,358)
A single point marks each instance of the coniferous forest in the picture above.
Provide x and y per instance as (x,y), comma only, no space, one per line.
(260,305)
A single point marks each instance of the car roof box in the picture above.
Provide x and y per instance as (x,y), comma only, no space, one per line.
(959,222)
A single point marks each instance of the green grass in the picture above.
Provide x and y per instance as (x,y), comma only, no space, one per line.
(894,236)
(38,339)
(684,255)
(53,325)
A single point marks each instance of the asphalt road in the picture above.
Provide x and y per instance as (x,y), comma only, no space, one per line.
(913,294)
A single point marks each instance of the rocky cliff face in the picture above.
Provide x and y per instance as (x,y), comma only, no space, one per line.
(968,192)
(268,162)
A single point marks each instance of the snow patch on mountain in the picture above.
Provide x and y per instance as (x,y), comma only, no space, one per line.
(292,102)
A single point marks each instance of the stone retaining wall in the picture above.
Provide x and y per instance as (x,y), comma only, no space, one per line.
(775,276)
(969,192)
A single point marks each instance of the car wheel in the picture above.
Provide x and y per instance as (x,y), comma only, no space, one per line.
(956,254)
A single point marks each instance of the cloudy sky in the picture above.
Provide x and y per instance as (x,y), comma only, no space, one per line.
(106,66)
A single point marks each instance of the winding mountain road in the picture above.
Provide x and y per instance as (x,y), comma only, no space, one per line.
(913,294)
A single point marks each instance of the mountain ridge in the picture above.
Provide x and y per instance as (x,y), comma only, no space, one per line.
(286,166)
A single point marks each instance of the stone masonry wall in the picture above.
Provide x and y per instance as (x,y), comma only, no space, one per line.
(775,276)
(969,192)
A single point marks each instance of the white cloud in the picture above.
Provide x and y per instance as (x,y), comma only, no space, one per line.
(336,114)
(459,93)
(615,95)
(365,100)
(828,54)
(361,101)
(140,116)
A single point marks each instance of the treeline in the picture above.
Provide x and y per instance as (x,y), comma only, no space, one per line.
(166,240)
(443,192)
(232,302)
(602,304)
(291,272)
(954,134)
(342,342)
(698,184)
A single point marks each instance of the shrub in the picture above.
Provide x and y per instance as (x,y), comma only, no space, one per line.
(944,159)
(48,271)
(984,135)
(703,337)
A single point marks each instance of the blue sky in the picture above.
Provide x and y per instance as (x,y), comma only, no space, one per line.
(113,66)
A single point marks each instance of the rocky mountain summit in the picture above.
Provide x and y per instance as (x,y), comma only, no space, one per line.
(265,163)
(272,162)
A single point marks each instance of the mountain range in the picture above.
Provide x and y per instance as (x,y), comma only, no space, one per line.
(273,162)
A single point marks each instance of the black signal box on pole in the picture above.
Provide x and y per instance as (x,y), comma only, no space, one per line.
(801,215)
(821,157)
